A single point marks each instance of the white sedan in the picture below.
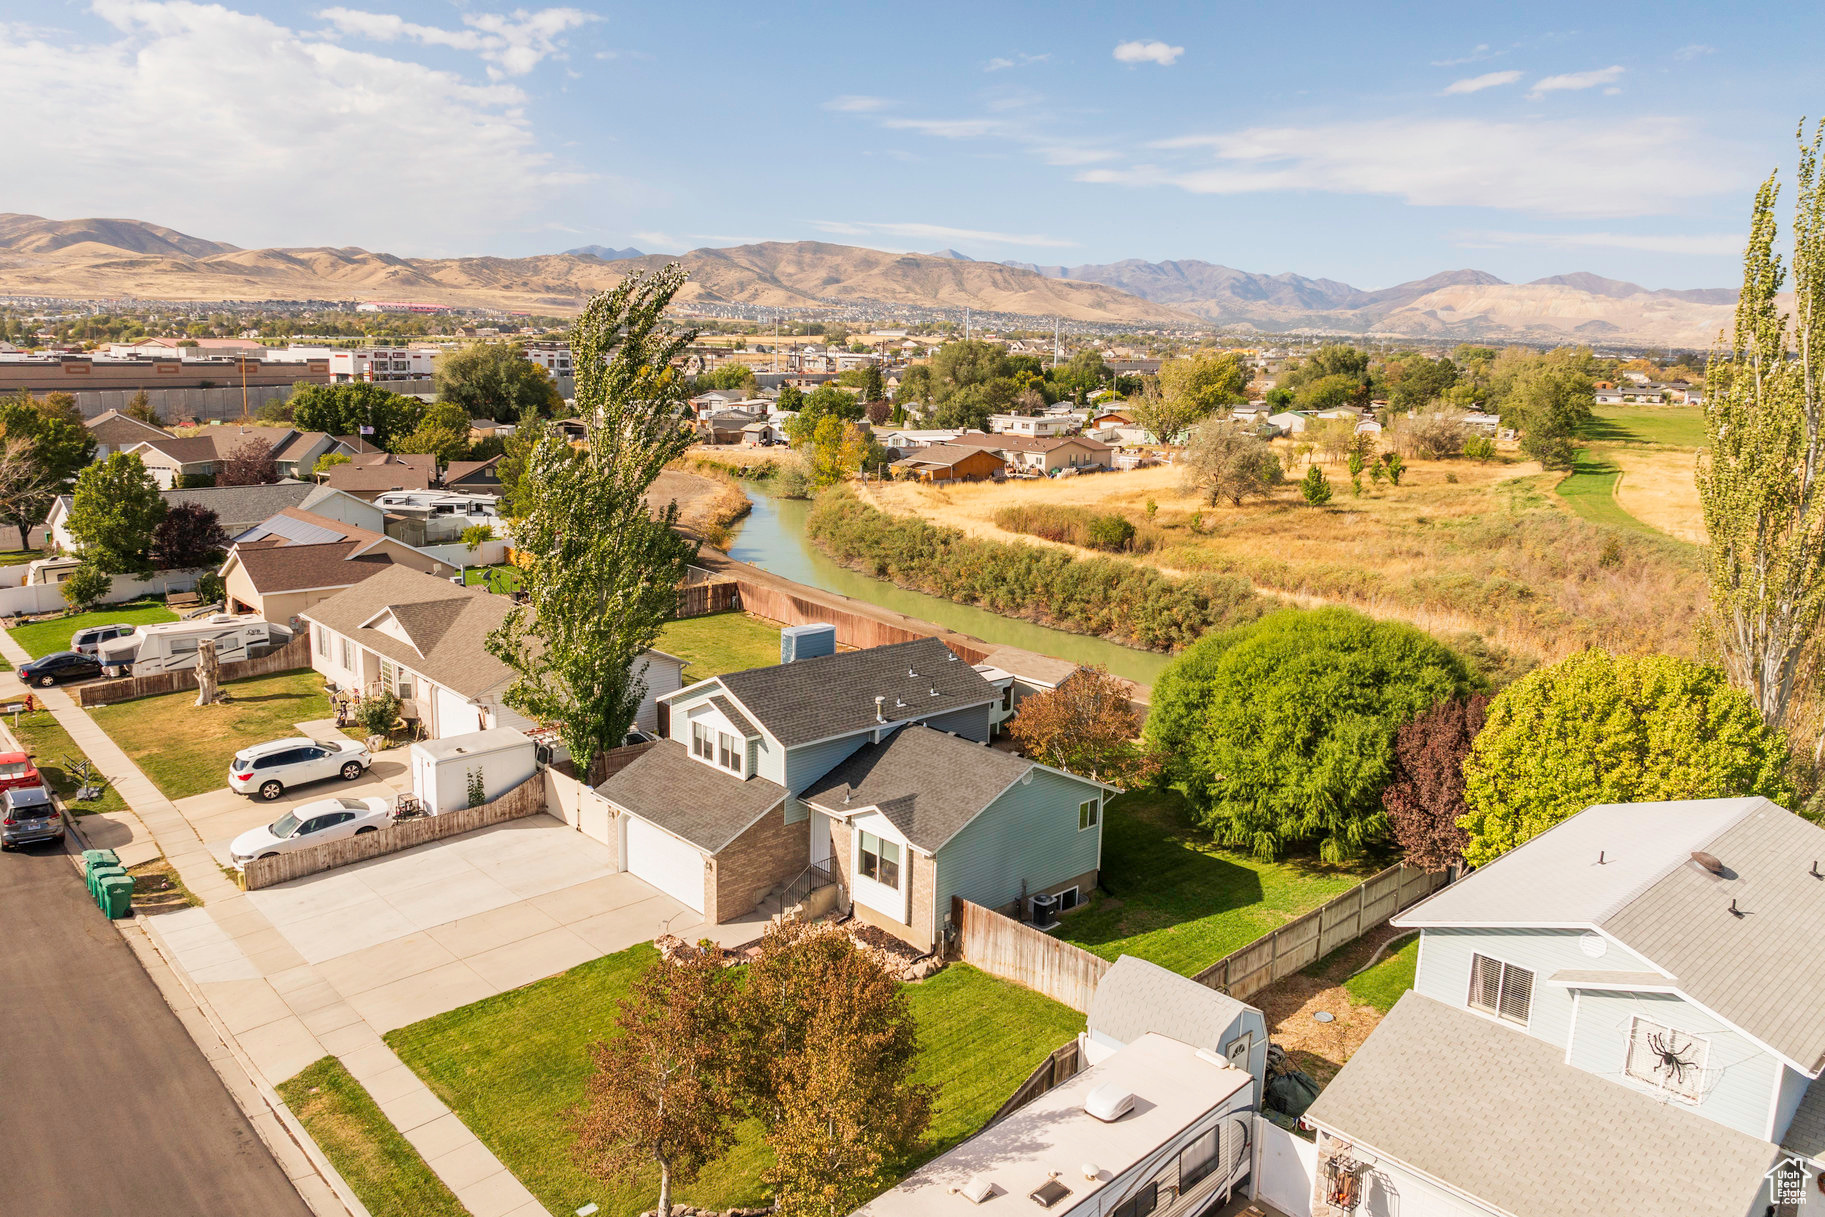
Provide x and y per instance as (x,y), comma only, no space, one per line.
(312,824)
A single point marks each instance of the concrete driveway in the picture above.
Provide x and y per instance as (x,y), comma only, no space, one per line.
(413,934)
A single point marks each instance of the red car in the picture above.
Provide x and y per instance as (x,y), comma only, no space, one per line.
(17,770)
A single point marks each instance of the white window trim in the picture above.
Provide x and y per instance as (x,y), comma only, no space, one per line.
(1096,814)
(1077,897)
(894,902)
(1532,991)
(1660,1088)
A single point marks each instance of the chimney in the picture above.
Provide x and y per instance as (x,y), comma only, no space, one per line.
(879,700)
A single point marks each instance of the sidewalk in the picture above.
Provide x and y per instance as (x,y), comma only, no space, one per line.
(275,1010)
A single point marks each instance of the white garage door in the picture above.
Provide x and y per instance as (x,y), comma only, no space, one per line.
(665,862)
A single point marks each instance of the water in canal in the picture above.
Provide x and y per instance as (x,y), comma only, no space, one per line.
(772,537)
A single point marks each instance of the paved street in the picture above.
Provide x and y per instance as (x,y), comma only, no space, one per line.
(110,1107)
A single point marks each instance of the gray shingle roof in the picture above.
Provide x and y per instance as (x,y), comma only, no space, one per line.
(1806,1133)
(830,695)
(736,718)
(1650,896)
(450,623)
(1497,1113)
(237,507)
(928,783)
(689,799)
(1135,997)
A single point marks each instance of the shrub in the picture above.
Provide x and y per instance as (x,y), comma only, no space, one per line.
(378,713)
(1109,597)
(1479,448)
(1282,730)
(1315,488)
(1110,532)
(1425,798)
(1079,526)
(85,586)
(1601,728)
(211,588)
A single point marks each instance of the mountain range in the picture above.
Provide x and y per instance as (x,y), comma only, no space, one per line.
(107,258)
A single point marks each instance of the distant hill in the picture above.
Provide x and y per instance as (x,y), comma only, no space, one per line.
(604,252)
(955,256)
(37,235)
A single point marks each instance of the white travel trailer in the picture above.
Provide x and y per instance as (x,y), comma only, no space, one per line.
(172,645)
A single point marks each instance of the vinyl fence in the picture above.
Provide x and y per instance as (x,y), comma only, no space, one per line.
(1305,940)
(526,799)
(1016,951)
(292,656)
(48,597)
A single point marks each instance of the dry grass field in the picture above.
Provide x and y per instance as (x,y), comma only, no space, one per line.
(1458,548)
(1657,488)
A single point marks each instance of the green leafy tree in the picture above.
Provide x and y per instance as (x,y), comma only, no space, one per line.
(603,570)
(44,453)
(328,461)
(1551,405)
(728,376)
(113,511)
(86,585)
(1282,730)
(1416,382)
(1314,487)
(346,409)
(1601,728)
(825,401)
(516,459)
(1224,461)
(1761,481)
(492,380)
(1330,392)
(140,407)
(1479,448)
(1081,375)
(443,432)
(916,386)
(791,397)
(1205,383)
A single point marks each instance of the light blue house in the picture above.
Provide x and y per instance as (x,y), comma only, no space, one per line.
(868,770)
(1622,1016)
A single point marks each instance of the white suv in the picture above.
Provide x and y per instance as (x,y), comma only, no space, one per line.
(269,769)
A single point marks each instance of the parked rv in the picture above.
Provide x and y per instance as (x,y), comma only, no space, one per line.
(172,645)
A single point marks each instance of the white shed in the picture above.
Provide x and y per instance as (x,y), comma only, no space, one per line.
(1136,997)
(441,768)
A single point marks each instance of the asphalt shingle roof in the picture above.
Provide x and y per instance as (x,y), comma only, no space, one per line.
(706,806)
(1497,1113)
(238,507)
(929,784)
(815,699)
(1136,996)
(449,624)
(736,718)
(296,568)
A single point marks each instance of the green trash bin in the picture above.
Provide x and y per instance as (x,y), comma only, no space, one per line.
(91,858)
(117,895)
(101,873)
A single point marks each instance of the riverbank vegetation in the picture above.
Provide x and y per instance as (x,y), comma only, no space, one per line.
(1108,597)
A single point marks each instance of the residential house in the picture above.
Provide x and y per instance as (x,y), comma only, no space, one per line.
(487,428)
(868,767)
(1614,1018)
(116,432)
(1160,1122)
(1353,413)
(368,476)
(713,401)
(296,558)
(727,426)
(424,639)
(950,463)
(1111,418)
(198,458)
(470,477)
(1043,456)
(903,440)
(1043,426)
(1291,422)
(1253,412)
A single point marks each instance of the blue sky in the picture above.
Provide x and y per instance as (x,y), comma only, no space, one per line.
(1347,141)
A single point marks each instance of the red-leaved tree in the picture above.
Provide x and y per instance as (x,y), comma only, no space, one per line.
(249,464)
(1425,797)
(188,536)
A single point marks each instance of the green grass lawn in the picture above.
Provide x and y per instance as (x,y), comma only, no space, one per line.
(1590,491)
(1382,985)
(511,1066)
(1674,426)
(18,557)
(1183,903)
(501,578)
(51,747)
(720,642)
(185,749)
(370,1154)
(40,638)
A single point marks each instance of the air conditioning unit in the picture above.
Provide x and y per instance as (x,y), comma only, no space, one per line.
(1045,911)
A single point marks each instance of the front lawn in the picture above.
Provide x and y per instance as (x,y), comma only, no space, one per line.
(1183,903)
(500,579)
(720,642)
(40,638)
(185,748)
(366,1150)
(511,1066)
(1382,985)
(52,749)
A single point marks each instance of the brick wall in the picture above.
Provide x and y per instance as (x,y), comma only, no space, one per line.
(924,890)
(771,851)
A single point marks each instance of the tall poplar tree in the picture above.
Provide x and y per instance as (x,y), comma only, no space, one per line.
(603,569)
(1762,481)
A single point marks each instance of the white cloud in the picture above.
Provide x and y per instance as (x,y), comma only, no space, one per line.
(1686,54)
(1488,80)
(1571,81)
(512,44)
(856,103)
(303,140)
(1148,52)
(1719,243)
(937,232)
(1478,53)
(1649,164)
(1020,59)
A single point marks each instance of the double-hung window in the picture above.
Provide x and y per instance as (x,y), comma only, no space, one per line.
(348,656)
(731,751)
(880,860)
(1501,989)
(703,742)
(1087,813)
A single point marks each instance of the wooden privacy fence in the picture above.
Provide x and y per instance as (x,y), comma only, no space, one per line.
(1305,940)
(526,799)
(700,599)
(1014,951)
(293,655)
(1055,1070)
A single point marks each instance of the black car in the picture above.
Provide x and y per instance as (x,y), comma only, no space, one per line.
(58,667)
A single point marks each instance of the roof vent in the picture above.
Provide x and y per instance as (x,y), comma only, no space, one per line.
(1109,1102)
(911,675)
(1709,862)
(976,1190)
(934,690)
(879,701)
(951,658)
(1049,1193)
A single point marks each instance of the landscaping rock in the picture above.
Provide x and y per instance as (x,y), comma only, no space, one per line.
(931,965)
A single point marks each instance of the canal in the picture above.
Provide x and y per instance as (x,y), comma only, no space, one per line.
(773,538)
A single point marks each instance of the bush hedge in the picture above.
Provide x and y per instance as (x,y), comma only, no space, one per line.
(1107,597)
